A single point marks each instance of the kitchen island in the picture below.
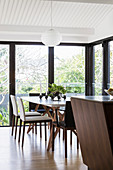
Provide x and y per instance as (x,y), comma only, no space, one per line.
(94,122)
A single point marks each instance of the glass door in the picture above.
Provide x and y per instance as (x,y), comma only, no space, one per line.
(4,85)
(31,69)
(98,69)
(70,68)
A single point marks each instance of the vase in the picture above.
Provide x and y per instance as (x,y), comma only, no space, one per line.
(56,96)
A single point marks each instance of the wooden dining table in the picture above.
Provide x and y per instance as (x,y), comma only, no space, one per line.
(48,104)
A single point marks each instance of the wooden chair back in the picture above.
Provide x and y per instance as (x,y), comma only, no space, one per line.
(69,118)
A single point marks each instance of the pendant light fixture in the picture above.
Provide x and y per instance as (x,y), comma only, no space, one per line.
(51,37)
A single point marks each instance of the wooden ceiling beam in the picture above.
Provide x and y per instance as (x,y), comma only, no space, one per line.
(87,1)
(39,30)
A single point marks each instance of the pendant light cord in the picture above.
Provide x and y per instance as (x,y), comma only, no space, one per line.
(51,16)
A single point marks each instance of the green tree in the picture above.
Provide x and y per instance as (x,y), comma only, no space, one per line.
(71,70)
(98,69)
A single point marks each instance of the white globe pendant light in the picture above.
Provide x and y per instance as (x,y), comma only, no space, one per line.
(51,37)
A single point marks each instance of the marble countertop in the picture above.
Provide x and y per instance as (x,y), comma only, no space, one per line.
(95,98)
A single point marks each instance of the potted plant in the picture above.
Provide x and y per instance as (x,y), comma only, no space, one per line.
(56,90)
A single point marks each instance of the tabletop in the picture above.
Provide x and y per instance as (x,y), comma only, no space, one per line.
(47,102)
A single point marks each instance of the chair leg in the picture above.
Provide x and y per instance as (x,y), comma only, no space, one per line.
(59,133)
(23,134)
(63,134)
(77,143)
(65,131)
(40,130)
(53,138)
(20,130)
(35,128)
(13,123)
(45,133)
(50,126)
(70,137)
(16,126)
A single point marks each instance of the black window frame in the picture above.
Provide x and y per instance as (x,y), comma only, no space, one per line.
(89,65)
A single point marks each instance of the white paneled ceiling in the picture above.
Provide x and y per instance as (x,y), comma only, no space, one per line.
(78,21)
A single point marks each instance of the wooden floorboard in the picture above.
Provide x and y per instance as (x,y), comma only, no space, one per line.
(34,155)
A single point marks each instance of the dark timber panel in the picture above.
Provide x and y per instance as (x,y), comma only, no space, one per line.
(51,65)
(89,70)
(106,67)
(94,123)
(11,77)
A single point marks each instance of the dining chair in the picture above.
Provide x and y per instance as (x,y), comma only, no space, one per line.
(41,109)
(67,124)
(25,120)
(17,115)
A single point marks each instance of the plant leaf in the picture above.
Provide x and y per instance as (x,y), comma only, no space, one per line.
(1,117)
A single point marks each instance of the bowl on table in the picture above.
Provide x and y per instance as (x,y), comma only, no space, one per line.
(109,91)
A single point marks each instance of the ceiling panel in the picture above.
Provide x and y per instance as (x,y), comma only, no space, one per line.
(66,14)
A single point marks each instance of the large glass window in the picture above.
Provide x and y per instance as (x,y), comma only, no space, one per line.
(4,85)
(31,69)
(70,68)
(111,64)
(98,69)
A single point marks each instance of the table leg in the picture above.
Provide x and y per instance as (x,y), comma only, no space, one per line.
(53,138)
(57,129)
(47,111)
(50,139)
(56,115)
(36,108)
